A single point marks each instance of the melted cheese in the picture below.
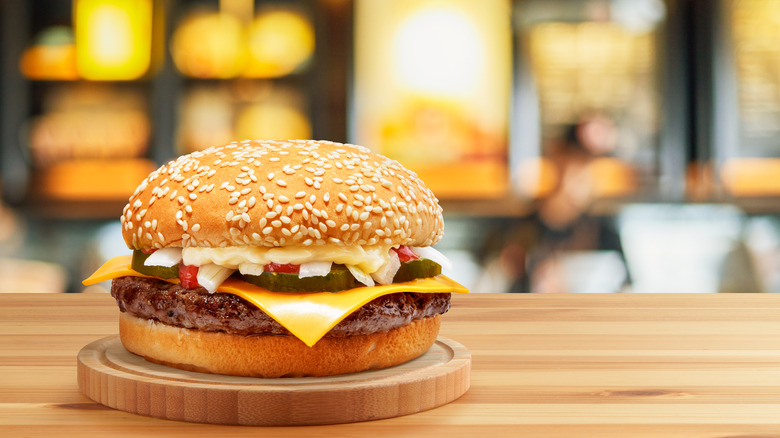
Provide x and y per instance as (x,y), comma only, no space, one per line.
(368,258)
(308,316)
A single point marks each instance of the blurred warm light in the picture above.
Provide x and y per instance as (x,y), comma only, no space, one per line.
(438,50)
(612,177)
(280,41)
(113,38)
(432,88)
(51,57)
(89,120)
(210,45)
(756,31)
(92,179)
(537,177)
(590,65)
(751,176)
(272,120)
(206,119)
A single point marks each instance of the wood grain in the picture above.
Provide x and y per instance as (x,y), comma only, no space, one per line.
(112,376)
(588,365)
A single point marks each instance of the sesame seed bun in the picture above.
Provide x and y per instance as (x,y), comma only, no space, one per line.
(281,193)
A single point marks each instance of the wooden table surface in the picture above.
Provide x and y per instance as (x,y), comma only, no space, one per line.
(612,365)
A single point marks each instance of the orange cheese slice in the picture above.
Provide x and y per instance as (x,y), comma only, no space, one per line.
(308,316)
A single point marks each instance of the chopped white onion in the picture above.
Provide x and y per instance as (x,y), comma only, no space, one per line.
(250,269)
(386,272)
(428,252)
(360,275)
(210,276)
(314,269)
(167,257)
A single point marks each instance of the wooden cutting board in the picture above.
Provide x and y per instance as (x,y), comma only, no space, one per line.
(112,376)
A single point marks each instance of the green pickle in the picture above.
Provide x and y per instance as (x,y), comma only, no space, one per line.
(139,257)
(337,279)
(420,268)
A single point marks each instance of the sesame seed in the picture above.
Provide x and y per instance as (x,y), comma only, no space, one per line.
(276,223)
(267,230)
(246,217)
(343,197)
(281,183)
(193,196)
(330,223)
(354,188)
(251,202)
(283,199)
(188,209)
(137,203)
(270,176)
(246,191)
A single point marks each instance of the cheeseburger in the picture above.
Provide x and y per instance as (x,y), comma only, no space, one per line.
(280,258)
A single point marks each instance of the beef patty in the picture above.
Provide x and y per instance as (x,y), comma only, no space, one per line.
(198,309)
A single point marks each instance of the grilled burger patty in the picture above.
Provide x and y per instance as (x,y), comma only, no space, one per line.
(174,305)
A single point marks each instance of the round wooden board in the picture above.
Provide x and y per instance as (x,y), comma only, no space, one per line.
(112,376)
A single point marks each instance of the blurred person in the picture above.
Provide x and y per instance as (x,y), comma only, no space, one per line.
(563,217)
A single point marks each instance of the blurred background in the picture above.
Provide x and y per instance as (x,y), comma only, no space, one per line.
(575,145)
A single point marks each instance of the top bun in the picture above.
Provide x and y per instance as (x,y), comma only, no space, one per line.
(281,193)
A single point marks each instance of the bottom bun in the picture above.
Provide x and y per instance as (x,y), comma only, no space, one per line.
(271,356)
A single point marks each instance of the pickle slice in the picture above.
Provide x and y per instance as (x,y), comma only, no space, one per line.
(420,268)
(139,257)
(337,279)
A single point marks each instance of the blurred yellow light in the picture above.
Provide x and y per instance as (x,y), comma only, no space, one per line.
(279,42)
(210,46)
(113,38)
(439,51)
(272,120)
